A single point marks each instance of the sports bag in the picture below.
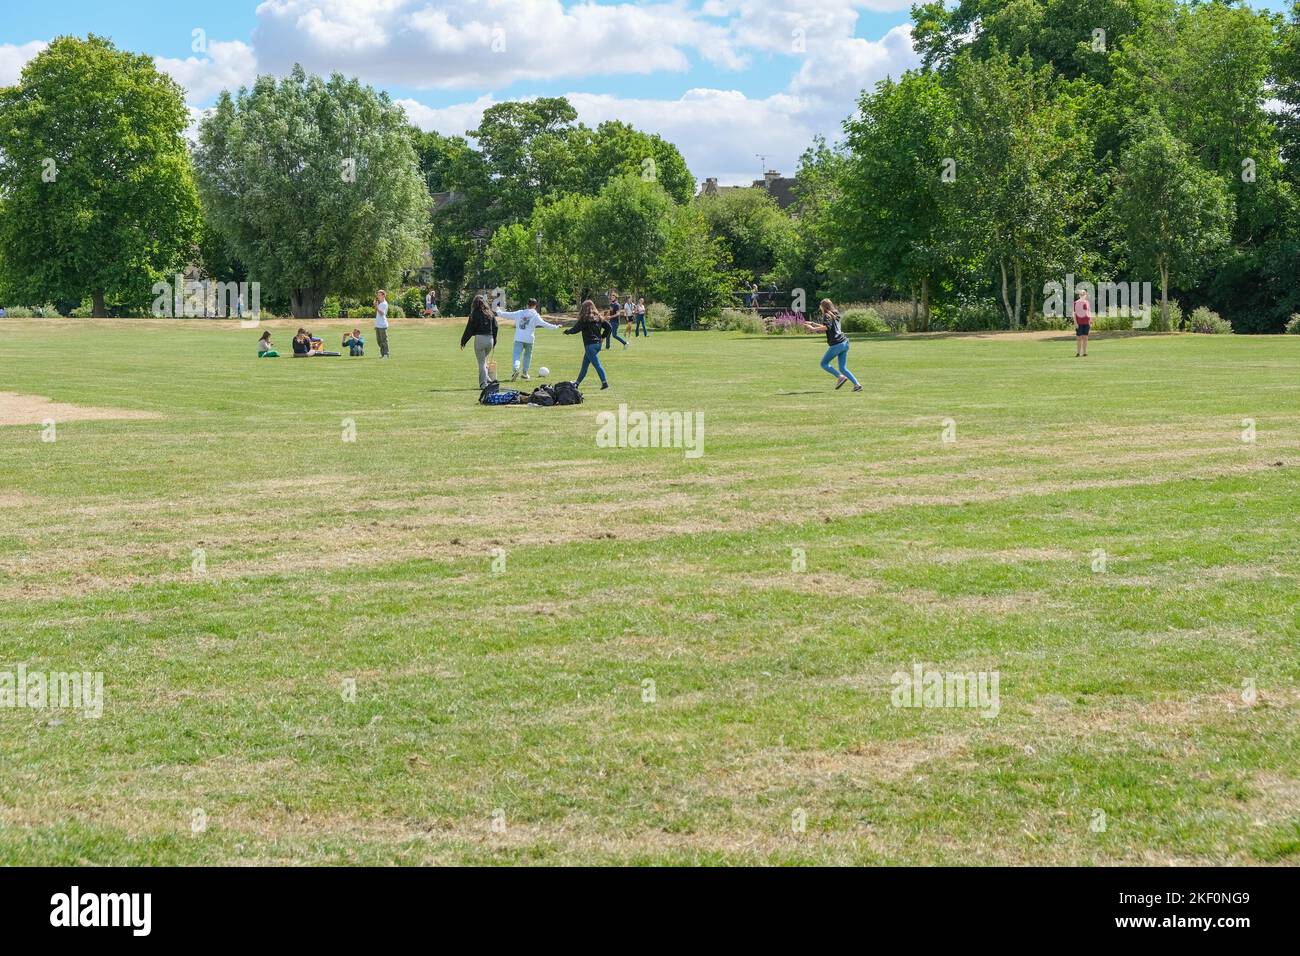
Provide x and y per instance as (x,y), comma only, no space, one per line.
(566,393)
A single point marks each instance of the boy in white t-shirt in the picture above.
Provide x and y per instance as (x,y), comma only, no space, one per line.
(381,323)
(527,322)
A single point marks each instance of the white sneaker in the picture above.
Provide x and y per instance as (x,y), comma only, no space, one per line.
(526,377)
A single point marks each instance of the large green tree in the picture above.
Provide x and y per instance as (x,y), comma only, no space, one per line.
(752,226)
(897,185)
(1174,214)
(314,185)
(97,198)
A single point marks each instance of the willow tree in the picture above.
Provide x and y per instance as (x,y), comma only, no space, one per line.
(314,185)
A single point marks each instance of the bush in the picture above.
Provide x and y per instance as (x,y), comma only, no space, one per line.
(1207,322)
(658,316)
(785,323)
(1293,327)
(895,313)
(411,300)
(736,320)
(1048,323)
(330,307)
(863,320)
(30,311)
(975,315)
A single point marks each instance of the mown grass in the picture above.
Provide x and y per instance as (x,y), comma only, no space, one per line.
(525,692)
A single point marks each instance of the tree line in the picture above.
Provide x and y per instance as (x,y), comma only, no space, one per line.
(1110,140)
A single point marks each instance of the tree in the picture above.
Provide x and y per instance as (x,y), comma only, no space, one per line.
(97,197)
(314,185)
(626,230)
(693,275)
(616,149)
(1174,214)
(522,146)
(750,224)
(1021,179)
(896,185)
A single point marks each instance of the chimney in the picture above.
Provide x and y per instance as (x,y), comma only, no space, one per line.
(769,177)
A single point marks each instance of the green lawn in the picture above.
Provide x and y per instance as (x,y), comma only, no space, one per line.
(506,717)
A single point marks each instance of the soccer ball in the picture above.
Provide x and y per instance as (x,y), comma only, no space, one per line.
(543,371)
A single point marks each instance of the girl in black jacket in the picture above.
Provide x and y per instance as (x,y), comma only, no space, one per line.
(482,328)
(594,329)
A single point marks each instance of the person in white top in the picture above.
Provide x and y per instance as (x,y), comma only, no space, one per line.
(527,322)
(381,323)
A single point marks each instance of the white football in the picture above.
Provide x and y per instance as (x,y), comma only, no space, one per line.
(543,371)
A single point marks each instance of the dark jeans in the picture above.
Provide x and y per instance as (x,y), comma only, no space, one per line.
(640,327)
(613,324)
(591,358)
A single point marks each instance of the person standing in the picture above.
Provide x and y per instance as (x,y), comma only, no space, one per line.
(527,322)
(482,328)
(615,316)
(837,344)
(381,323)
(640,328)
(1082,324)
(593,328)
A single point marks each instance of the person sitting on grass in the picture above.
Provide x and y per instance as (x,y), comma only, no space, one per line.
(353,342)
(264,347)
(302,344)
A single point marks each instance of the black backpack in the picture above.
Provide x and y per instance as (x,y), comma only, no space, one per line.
(566,393)
(491,388)
(543,395)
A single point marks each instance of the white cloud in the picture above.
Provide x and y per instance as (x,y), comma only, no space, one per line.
(461,44)
(14,56)
(722,132)
(229,65)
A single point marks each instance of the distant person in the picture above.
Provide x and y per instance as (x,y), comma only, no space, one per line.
(430,303)
(482,327)
(354,343)
(3,313)
(640,328)
(527,322)
(1082,324)
(264,347)
(615,316)
(381,323)
(837,344)
(593,328)
(302,344)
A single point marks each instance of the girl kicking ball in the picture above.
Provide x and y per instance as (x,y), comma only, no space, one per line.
(837,344)
(1082,324)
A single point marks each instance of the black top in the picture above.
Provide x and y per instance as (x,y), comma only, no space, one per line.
(301,346)
(480,325)
(833,334)
(593,330)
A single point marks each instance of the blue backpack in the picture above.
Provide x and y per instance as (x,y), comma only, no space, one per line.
(493,394)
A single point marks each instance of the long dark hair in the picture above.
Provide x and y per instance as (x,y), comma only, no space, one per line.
(588,312)
(479,309)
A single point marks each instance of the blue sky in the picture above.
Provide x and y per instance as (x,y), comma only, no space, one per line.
(724,79)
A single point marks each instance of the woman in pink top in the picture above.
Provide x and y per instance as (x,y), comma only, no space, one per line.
(1082,323)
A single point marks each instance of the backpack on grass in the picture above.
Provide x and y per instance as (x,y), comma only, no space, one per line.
(542,395)
(566,393)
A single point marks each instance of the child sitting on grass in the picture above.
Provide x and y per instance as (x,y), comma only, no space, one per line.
(264,347)
(353,342)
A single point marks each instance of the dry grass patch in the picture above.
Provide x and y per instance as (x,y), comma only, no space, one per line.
(19,409)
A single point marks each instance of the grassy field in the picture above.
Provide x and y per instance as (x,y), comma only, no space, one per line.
(652,678)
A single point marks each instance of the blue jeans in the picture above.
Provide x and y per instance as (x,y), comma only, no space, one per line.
(591,359)
(613,324)
(840,352)
(640,328)
(526,350)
